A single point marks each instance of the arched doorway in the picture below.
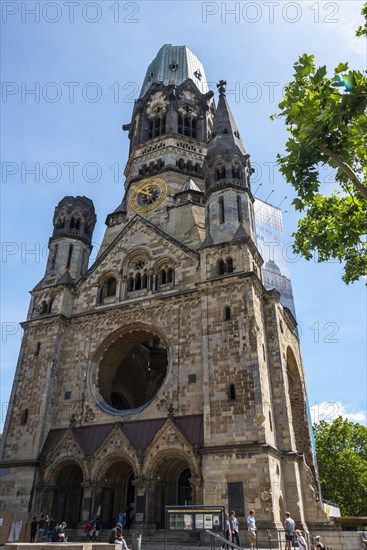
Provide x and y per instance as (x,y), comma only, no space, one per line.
(68,495)
(118,492)
(173,487)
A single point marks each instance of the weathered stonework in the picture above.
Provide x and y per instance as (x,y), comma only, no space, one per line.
(164,373)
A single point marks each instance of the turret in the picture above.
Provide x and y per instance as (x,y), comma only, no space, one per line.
(71,242)
(228,197)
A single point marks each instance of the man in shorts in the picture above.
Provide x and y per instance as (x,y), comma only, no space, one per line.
(251,527)
(289,526)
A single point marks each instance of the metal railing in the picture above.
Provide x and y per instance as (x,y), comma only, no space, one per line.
(273,539)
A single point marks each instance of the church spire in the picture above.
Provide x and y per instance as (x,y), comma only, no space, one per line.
(229,201)
(225,133)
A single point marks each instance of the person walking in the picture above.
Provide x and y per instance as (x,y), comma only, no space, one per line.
(233,522)
(251,526)
(289,526)
(302,544)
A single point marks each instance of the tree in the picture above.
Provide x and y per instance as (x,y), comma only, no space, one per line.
(341,448)
(326,117)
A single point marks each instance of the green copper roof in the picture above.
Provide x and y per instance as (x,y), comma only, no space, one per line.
(175,63)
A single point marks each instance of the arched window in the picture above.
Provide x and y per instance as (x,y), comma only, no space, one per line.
(110,286)
(221,210)
(74,223)
(227,313)
(60,223)
(165,277)
(187,122)
(157,125)
(220,172)
(50,303)
(236,171)
(239,209)
(225,266)
(44,307)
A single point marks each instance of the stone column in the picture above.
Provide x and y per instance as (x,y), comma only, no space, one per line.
(143,522)
(86,509)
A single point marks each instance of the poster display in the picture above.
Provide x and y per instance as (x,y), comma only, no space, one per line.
(195,518)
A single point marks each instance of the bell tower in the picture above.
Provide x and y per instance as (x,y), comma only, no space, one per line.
(71,242)
(169,131)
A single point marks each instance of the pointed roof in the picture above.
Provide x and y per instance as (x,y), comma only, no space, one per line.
(190,185)
(225,132)
(208,241)
(121,207)
(66,279)
(175,63)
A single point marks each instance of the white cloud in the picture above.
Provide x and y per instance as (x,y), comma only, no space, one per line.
(330,410)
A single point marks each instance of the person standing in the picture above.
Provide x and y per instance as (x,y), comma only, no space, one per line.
(233,523)
(34,527)
(51,528)
(289,526)
(42,526)
(251,526)
(364,538)
(302,544)
(227,528)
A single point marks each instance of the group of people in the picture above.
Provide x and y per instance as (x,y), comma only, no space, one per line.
(291,533)
(44,525)
(232,529)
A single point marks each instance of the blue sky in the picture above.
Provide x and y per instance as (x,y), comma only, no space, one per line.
(85,62)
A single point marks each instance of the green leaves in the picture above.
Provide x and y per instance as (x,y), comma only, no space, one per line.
(327,122)
(341,448)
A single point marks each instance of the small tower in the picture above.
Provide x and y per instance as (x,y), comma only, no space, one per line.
(228,197)
(71,242)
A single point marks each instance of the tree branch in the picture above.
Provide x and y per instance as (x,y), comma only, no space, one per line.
(346,169)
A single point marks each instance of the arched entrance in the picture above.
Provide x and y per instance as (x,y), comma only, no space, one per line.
(118,492)
(68,495)
(173,487)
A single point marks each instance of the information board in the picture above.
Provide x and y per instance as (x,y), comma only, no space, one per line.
(194,518)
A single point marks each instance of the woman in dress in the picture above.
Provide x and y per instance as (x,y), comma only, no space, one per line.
(302,544)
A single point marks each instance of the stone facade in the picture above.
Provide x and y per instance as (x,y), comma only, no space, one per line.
(165,373)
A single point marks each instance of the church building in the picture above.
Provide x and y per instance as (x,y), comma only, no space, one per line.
(165,373)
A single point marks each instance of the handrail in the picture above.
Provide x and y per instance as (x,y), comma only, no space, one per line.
(223,540)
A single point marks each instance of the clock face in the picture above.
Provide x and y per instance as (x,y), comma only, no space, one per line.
(148,195)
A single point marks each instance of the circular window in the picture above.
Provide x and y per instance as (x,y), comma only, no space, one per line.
(130,371)
(173,66)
